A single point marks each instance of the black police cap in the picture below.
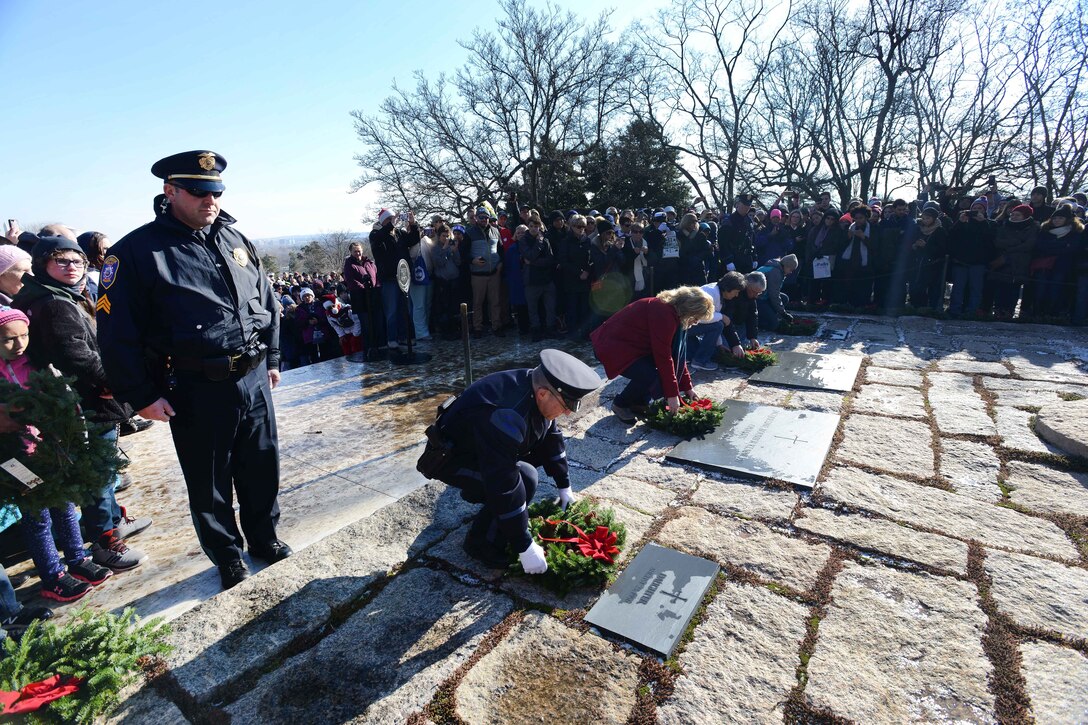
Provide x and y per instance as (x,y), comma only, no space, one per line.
(570,377)
(196,170)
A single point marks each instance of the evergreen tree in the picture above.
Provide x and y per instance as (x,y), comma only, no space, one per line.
(636,170)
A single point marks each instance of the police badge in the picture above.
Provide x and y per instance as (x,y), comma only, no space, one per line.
(206,161)
(109,271)
(240,256)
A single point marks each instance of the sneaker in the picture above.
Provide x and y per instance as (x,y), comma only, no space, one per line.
(233,573)
(16,625)
(111,551)
(88,571)
(624,414)
(135,424)
(130,526)
(66,588)
(709,365)
(126,481)
(276,551)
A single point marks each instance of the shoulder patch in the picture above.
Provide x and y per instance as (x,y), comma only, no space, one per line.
(103,304)
(109,271)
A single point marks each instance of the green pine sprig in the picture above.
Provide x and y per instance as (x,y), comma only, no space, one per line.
(753,360)
(70,456)
(104,650)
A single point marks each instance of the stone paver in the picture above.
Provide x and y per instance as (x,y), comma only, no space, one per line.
(741,666)
(950,513)
(956,406)
(886,537)
(890,400)
(1015,428)
(632,493)
(816,400)
(901,359)
(1046,489)
(745,499)
(900,647)
(1057,682)
(972,469)
(1065,425)
(385,661)
(886,444)
(1040,593)
(971,367)
(747,544)
(890,376)
(663,474)
(543,671)
(593,452)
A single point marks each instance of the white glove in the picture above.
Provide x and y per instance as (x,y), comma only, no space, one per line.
(731,267)
(532,559)
(566,497)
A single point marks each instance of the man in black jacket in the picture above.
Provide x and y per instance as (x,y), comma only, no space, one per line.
(736,238)
(390,245)
(742,310)
(189,333)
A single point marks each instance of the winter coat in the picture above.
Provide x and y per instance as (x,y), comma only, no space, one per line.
(360,274)
(695,252)
(539,259)
(483,244)
(447,261)
(1014,243)
(313,311)
(971,242)
(644,328)
(390,245)
(65,336)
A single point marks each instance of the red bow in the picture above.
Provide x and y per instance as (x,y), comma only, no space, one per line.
(600,545)
(699,404)
(36,694)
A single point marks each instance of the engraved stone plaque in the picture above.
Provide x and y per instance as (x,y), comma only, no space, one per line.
(804,370)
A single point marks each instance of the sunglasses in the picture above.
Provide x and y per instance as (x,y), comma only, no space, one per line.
(199,194)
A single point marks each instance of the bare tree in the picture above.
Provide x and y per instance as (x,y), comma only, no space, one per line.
(327,252)
(536,82)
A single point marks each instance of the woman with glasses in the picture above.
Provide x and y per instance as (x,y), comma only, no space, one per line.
(63,325)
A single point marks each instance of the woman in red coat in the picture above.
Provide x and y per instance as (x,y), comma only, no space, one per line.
(645,343)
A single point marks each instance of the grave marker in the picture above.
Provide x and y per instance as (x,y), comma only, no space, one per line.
(804,370)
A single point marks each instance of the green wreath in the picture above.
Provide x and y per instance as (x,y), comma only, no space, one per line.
(802,326)
(70,456)
(695,418)
(753,360)
(569,567)
(99,651)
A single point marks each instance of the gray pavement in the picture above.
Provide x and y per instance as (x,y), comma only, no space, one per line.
(938,572)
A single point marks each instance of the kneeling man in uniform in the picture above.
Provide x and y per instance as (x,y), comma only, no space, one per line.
(489,441)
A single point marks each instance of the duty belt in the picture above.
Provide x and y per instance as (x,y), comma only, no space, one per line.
(216,369)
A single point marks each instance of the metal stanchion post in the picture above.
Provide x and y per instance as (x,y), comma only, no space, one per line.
(467,345)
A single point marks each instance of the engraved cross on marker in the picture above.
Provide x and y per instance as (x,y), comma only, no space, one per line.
(673,596)
(795,439)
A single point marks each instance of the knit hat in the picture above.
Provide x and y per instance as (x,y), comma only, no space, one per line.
(554,215)
(1063,211)
(458,228)
(383,215)
(46,248)
(603,225)
(928,210)
(10,255)
(776,213)
(10,314)
(862,210)
(1024,209)
(1040,190)
(984,202)
(933,206)
(846,218)
(305,291)
(874,201)
(328,304)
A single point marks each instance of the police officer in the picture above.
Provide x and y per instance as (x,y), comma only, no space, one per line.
(736,238)
(498,431)
(189,335)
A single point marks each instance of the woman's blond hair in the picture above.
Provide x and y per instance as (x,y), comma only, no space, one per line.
(689,303)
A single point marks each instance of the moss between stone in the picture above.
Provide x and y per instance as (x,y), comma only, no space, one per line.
(798,709)
(1071,396)
(1001,645)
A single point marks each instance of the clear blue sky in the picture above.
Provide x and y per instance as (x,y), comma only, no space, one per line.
(95,92)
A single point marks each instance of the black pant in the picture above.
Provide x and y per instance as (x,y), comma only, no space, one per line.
(462,473)
(225,436)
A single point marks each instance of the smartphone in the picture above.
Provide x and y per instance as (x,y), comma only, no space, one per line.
(11,223)
(992,180)
(402,217)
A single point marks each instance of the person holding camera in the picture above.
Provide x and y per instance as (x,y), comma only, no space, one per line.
(970,251)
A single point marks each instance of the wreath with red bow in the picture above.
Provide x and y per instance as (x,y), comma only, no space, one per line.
(801,326)
(694,418)
(753,360)
(581,544)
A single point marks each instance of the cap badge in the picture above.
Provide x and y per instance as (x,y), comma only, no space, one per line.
(206,161)
(240,256)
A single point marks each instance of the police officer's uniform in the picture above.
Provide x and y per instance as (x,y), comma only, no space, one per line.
(188,315)
(498,437)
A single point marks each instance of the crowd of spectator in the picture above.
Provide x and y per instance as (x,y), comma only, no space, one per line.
(562,273)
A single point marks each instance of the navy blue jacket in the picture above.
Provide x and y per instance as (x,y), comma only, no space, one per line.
(494,424)
(169,290)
